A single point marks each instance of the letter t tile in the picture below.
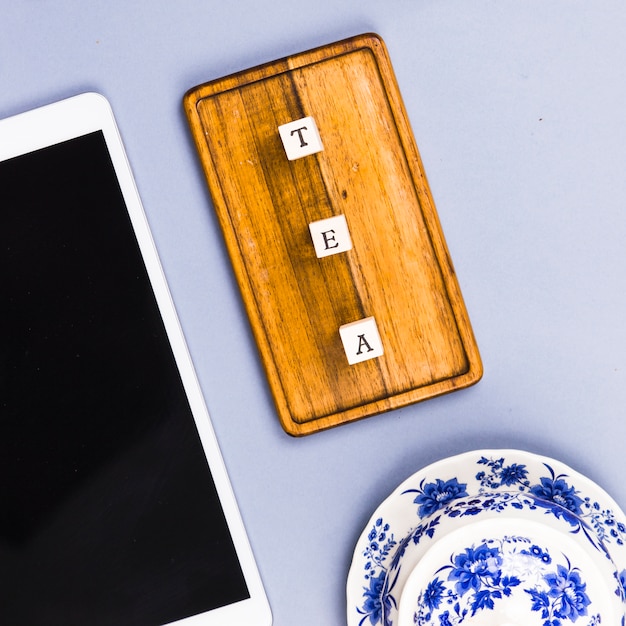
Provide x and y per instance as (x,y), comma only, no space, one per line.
(300,138)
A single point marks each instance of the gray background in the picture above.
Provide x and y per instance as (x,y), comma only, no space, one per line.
(518,108)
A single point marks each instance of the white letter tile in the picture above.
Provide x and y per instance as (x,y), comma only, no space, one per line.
(300,138)
(330,236)
(361,340)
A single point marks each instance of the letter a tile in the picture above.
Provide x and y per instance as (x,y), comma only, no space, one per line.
(300,138)
(361,340)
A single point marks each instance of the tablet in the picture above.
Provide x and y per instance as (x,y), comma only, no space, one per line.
(115,506)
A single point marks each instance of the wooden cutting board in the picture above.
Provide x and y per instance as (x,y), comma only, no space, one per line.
(385,276)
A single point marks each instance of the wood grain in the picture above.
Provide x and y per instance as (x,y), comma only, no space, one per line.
(399,269)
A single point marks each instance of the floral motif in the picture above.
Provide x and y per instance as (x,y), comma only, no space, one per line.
(567,594)
(501,475)
(434,496)
(604,523)
(434,594)
(480,582)
(377,598)
(565,598)
(558,492)
(475,567)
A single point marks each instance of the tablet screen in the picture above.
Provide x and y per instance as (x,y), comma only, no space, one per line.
(108,511)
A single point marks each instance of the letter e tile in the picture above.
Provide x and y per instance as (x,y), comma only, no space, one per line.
(330,236)
(300,138)
(361,340)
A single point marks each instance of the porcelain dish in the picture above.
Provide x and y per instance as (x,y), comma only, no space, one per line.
(510,572)
(511,486)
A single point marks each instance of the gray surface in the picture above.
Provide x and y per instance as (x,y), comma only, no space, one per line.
(518,109)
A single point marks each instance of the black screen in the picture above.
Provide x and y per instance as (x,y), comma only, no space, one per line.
(108,512)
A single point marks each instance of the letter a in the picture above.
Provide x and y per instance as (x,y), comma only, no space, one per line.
(353,335)
(363,342)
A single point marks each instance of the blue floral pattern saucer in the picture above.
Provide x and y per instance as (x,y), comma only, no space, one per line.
(460,491)
(514,572)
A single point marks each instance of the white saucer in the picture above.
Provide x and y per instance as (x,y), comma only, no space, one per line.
(463,490)
(510,572)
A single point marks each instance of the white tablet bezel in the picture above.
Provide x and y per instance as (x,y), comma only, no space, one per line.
(78,116)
